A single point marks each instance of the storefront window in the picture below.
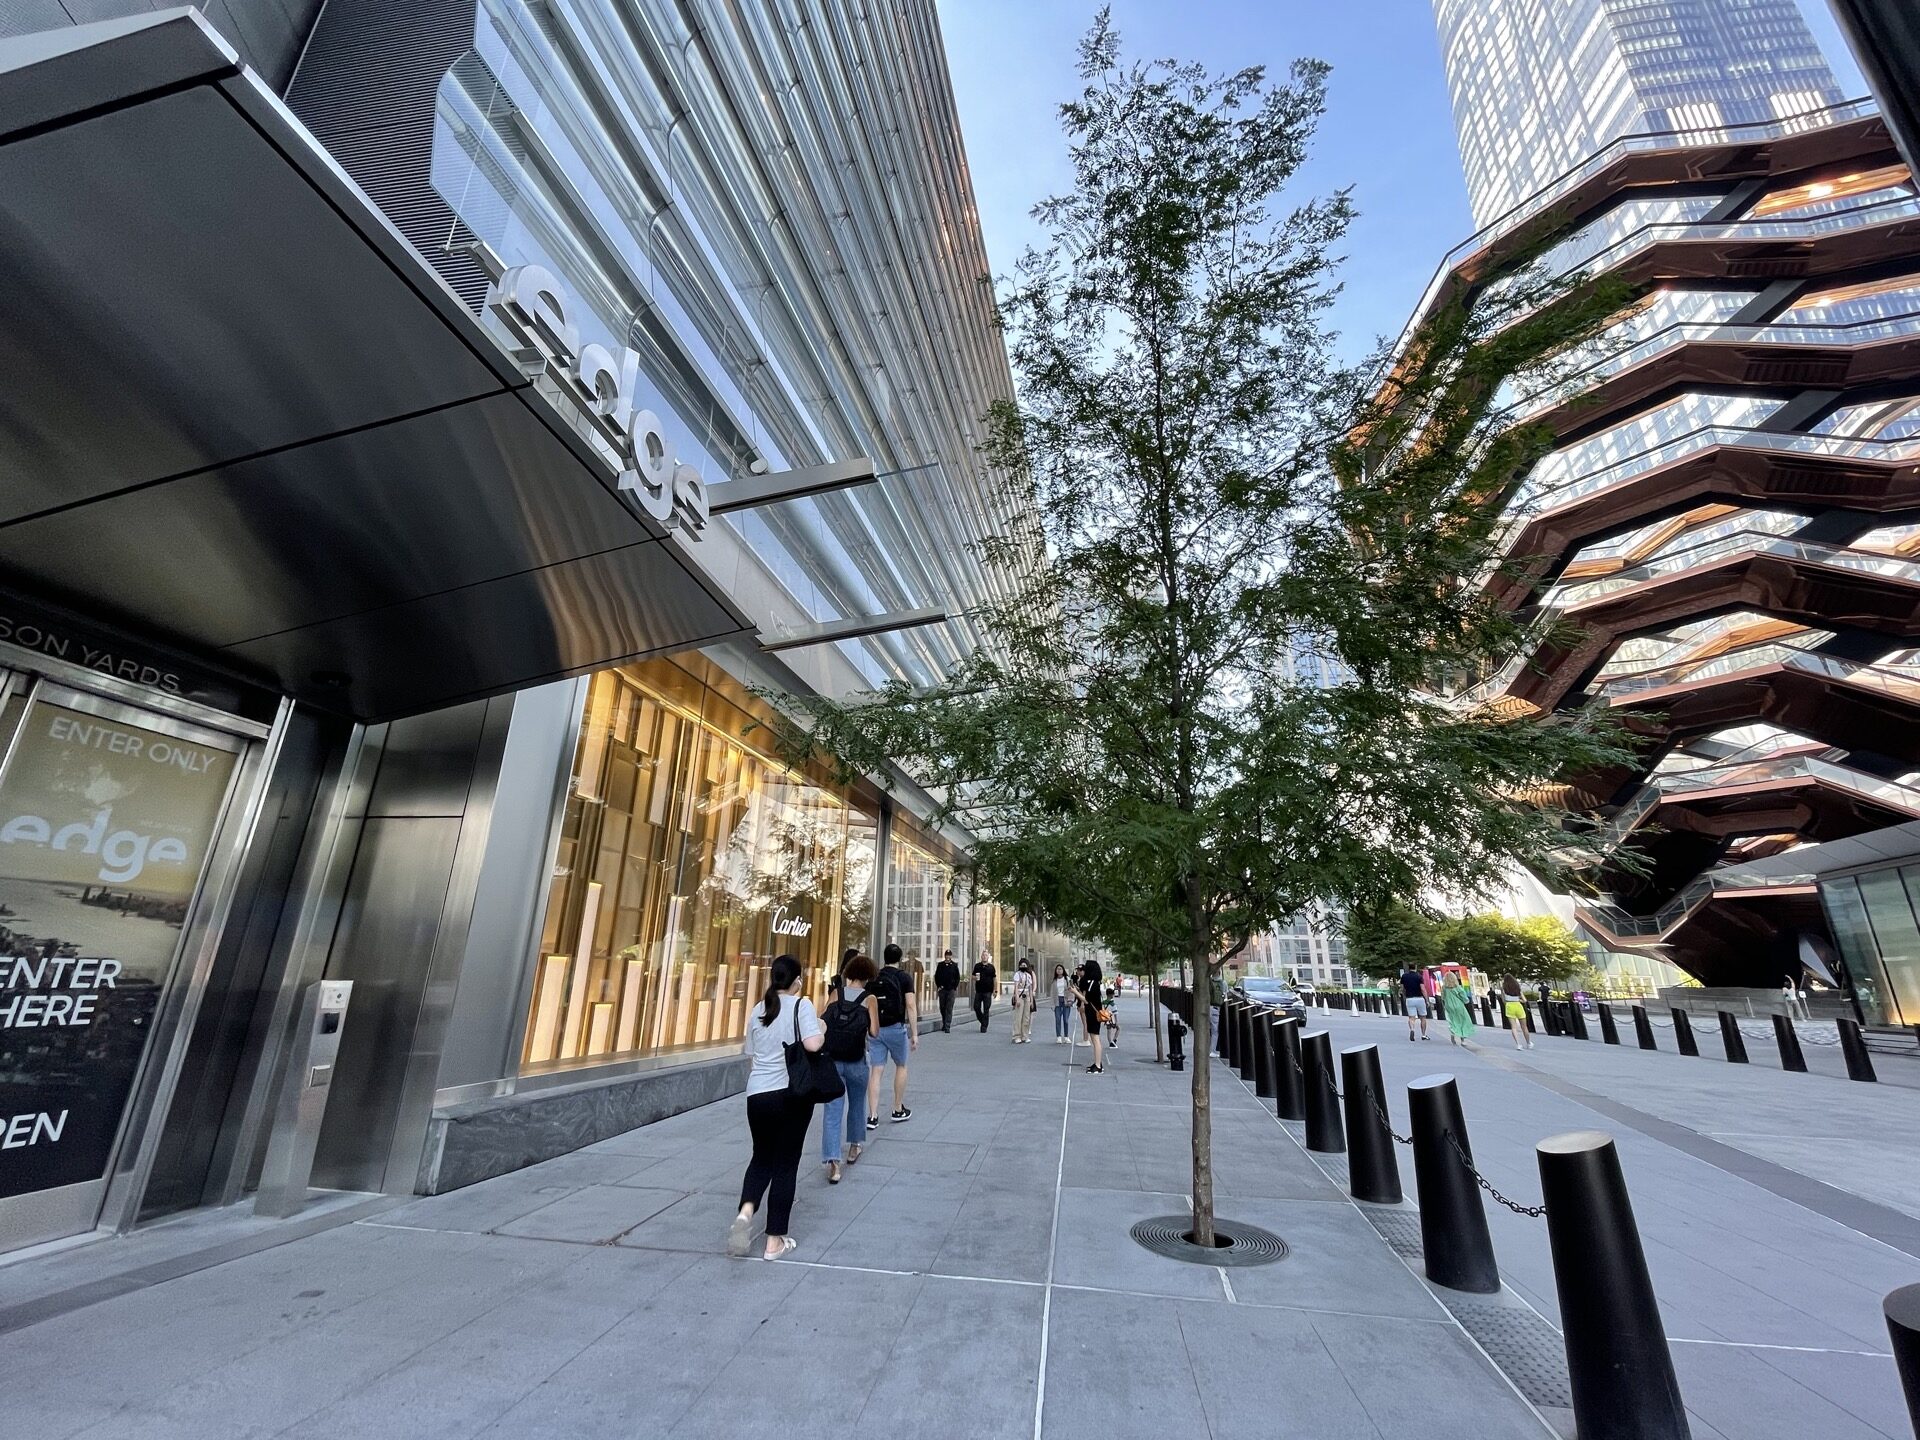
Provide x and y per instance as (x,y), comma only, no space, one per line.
(1847,915)
(687,862)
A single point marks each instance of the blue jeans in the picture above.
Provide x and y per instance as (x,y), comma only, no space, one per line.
(850,1111)
(1063,1018)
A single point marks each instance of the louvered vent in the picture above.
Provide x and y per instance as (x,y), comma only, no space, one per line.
(1813,480)
(1765,369)
(366,89)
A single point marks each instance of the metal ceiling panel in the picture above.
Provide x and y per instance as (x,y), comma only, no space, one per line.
(321,531)
(501,635)
(178,296)
(244,420)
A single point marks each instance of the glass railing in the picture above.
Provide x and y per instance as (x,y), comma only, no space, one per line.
(1543,493)
(1743,542)
(1555,191)
(1902,684)
(1565,599)
(1599,254)
(1858,333)
(1621,925)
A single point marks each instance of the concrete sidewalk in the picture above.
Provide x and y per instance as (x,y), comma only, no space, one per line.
(984,1239)
(1776,1210)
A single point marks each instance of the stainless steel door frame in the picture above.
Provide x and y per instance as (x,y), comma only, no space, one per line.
(186,989)
(516,1038)
(112,1200)
(321,885)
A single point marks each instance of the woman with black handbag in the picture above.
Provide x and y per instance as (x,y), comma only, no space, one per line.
(789,1077)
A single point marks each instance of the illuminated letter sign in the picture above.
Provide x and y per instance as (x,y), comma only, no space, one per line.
(533,307)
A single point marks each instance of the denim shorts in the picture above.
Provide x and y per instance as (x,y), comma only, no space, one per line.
(892,1040)
(1416,1007)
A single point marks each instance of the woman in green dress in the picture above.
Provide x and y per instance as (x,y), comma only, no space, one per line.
(1455,1000)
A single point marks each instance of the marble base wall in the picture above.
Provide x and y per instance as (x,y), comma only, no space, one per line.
(479,1139)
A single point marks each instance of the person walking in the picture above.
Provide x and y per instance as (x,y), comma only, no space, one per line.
(1456,1001)
(776,1118)
(1087,992)
(1062,1006)
(849,1022)
(1413,985)
(1516,1008)
(1026,993)
(985,981)
(946,980)
(897,1037)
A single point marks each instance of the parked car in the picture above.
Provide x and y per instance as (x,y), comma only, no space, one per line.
(1265,990)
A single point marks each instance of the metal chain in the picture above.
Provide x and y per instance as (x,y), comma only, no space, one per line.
(1386,1121)
(1536,1211)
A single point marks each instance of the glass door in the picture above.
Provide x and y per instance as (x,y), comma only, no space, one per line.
(108,815)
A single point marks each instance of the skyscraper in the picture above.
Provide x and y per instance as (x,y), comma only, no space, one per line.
(1539,85)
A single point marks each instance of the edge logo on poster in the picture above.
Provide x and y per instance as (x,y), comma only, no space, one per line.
(530,302)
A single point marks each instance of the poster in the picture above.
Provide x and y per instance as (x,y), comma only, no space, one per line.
(104,829)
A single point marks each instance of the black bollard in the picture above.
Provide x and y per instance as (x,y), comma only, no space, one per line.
(1683,1033)
(1262,1057)
(1617,1356)
(1788,1039)
(1243,1043)
(1323,1106)
(1176,1052)
(1486,1011)
(1373,1173)
(1609,1031)
(1902,1309)
(1643,1027)
(1731,1040)
(1453,1222)
(1859,1062)
(1577,1021)
(1289,1100)
(1223,1032)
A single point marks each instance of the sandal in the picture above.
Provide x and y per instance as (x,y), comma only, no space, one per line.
(833,1172)
(787,1246)
(853,1154)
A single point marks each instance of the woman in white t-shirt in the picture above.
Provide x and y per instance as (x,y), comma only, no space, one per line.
(777,1120)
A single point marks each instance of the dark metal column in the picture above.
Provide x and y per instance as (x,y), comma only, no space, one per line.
(1885,37)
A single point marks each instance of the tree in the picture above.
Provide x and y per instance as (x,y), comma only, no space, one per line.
(1390,938)
(1536,949)
(1211,496)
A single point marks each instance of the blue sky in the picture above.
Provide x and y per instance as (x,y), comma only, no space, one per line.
(1388,130)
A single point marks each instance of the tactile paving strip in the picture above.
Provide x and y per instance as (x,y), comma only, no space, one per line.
(1399,1228)
(1523,1345)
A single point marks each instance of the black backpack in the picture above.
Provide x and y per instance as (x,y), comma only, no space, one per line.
(846,1027)
(892,996)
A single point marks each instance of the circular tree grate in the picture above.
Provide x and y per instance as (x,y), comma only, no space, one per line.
(1244,1244)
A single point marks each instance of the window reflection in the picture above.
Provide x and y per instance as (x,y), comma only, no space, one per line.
(687,861)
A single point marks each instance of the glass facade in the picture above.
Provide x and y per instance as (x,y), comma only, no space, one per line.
(687,861)
(1875,919)
(1539,85)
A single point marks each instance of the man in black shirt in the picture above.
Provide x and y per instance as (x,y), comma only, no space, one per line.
(985,981)
(946,979)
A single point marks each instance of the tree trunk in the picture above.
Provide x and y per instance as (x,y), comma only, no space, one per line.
(1202,1099)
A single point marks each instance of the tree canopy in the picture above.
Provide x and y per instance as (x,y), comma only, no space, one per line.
(1220,519)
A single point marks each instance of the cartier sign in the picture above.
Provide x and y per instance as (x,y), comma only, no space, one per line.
(533,306)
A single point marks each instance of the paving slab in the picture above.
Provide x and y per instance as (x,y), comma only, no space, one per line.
(985,1242)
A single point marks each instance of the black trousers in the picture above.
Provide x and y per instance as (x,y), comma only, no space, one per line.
(982,1006)
(946,1007)
(779,1126)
